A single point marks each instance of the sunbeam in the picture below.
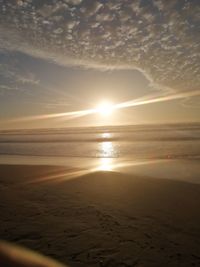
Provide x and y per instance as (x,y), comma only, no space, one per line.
(148,99)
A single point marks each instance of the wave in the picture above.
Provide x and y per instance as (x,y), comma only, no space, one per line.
(181,132)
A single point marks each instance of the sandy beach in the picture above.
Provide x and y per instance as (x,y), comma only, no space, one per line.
(102,218)
(99,133)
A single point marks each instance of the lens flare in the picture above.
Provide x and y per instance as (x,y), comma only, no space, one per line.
(107,108)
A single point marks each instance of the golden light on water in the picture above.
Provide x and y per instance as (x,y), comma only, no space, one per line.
(106,135)
(102,164)
(105,164)
(107,150)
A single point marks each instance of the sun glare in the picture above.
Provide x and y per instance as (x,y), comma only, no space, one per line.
(105,108)
(105,164)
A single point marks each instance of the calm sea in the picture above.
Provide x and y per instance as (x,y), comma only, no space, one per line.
(168,145)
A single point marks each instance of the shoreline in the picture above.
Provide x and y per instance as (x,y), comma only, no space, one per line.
(186,170)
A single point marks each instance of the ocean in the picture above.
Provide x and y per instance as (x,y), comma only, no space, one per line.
(173,149)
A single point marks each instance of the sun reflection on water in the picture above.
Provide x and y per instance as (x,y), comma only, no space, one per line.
(105,164)
(107,152)
(107,149)
(106,135)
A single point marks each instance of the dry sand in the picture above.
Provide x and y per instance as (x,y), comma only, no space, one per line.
(101,219)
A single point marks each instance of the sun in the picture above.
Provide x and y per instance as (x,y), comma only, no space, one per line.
(105,108)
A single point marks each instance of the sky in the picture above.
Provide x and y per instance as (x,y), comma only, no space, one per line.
(64,57)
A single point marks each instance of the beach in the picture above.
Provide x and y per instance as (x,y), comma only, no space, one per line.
(100,218)
(99,133)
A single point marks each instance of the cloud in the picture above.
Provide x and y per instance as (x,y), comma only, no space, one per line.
(73,2)
(92,9)
(13,77)
(160,38)
(191,103)
(27,78)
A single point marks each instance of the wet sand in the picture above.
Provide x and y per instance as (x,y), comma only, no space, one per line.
(102,218)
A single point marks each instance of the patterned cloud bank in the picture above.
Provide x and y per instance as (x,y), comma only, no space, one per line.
(159,37)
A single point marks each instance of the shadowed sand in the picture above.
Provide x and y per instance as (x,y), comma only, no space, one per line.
(102,218)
